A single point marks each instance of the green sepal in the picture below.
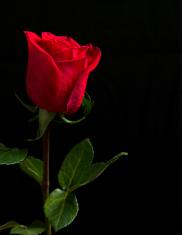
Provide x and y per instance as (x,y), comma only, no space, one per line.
(31,108)
(45,118)
(34,118)
(65,119)
(87,105)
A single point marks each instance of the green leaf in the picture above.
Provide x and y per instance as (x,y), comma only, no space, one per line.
(87,104)
(61,208)
(33,167)
(97,169)
(34,229)
(75,166)
(45,118)
(8,225)
(10,156)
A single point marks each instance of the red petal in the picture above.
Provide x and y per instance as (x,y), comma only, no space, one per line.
(43,81)
(67,41)
(78,91)
(77,94)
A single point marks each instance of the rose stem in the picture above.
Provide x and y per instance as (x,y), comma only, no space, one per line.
(46,178)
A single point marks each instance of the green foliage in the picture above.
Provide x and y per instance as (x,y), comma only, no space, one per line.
(45,118)
(74,168)
(61,208)
(9,156)
(87,105)
(35,228)
(8,225)
(64,119)
(30,108)
(33,167)
(77,168)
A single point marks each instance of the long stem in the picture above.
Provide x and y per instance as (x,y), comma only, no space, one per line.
(46,178)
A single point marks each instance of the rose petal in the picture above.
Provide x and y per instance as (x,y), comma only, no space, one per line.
(93,57)
(43,78)
(65,40)
(57,77)
(70,54)
(70,41)
(77,94)
(78,91)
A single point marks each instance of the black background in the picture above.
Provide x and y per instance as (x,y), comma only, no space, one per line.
(136,89)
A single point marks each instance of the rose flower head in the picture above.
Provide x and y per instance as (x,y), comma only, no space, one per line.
(57,71)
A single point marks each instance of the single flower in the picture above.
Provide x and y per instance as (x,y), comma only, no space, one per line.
(57,71)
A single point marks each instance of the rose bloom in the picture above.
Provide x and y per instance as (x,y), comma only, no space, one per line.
(57,71)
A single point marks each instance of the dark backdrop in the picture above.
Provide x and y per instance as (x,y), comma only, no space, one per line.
(136,90)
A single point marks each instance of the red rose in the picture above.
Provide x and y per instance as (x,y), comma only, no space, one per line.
(57,71)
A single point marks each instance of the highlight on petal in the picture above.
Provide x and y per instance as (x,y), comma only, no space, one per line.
(47,36)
